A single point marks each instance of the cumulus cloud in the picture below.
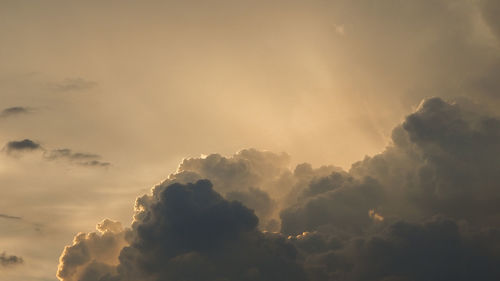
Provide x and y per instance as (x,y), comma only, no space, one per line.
(261,180)
(93,253)
(436,188)
(426,208)
(435,249)
(186,227)
(9,260)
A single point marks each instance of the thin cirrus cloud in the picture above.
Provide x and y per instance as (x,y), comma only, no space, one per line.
(419,210)
(5,216)
(74,85)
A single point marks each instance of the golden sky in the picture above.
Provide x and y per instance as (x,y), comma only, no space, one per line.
(116,93)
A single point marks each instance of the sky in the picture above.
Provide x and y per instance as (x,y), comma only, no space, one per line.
(331,122)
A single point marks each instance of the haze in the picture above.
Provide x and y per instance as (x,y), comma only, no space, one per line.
(102,100)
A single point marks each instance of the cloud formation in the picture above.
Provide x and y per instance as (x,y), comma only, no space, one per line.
(9,260)
(426,208)
(14,111)
(79,158)
(185,227)
(22,146)
(4,216)
(93,252)
(436,188)
(261,180)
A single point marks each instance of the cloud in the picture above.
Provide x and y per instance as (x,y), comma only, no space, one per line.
(9,260)
(181,228)
(22,146)
(4,216)
(93,251)
(426,208)
(436,188)
(69,154)
(337,201)
(74,85)
(435,249)
(261,180)
(66,154)
(14,111)
(78,158)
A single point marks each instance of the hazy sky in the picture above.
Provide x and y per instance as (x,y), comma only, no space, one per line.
(101,100)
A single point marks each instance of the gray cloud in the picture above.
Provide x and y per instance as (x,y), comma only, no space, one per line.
(435,249)
(66,154)
(426,208)
(261,180)
(184,227)
(95,163)
(78,158)
(14,111)
(443,162)
(69,154)
(4,216)
(9,260)
(21,146)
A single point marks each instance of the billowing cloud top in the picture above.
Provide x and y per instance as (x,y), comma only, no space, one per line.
(426,208)
(185,227)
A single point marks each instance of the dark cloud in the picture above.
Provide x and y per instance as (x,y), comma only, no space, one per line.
(13,111)
(426,208)
(444,161)
(78,158)
(4,216)
(337,201)
(9,260)
(95,163)
(74,85)
(186,227)
(69,154)
(21,146)
(437,249)
(261,180)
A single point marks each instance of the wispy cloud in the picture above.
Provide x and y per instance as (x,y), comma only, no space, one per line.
(79,158)
(74,85)
(16,147)
(4,216)
(8,260)
(15,111)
